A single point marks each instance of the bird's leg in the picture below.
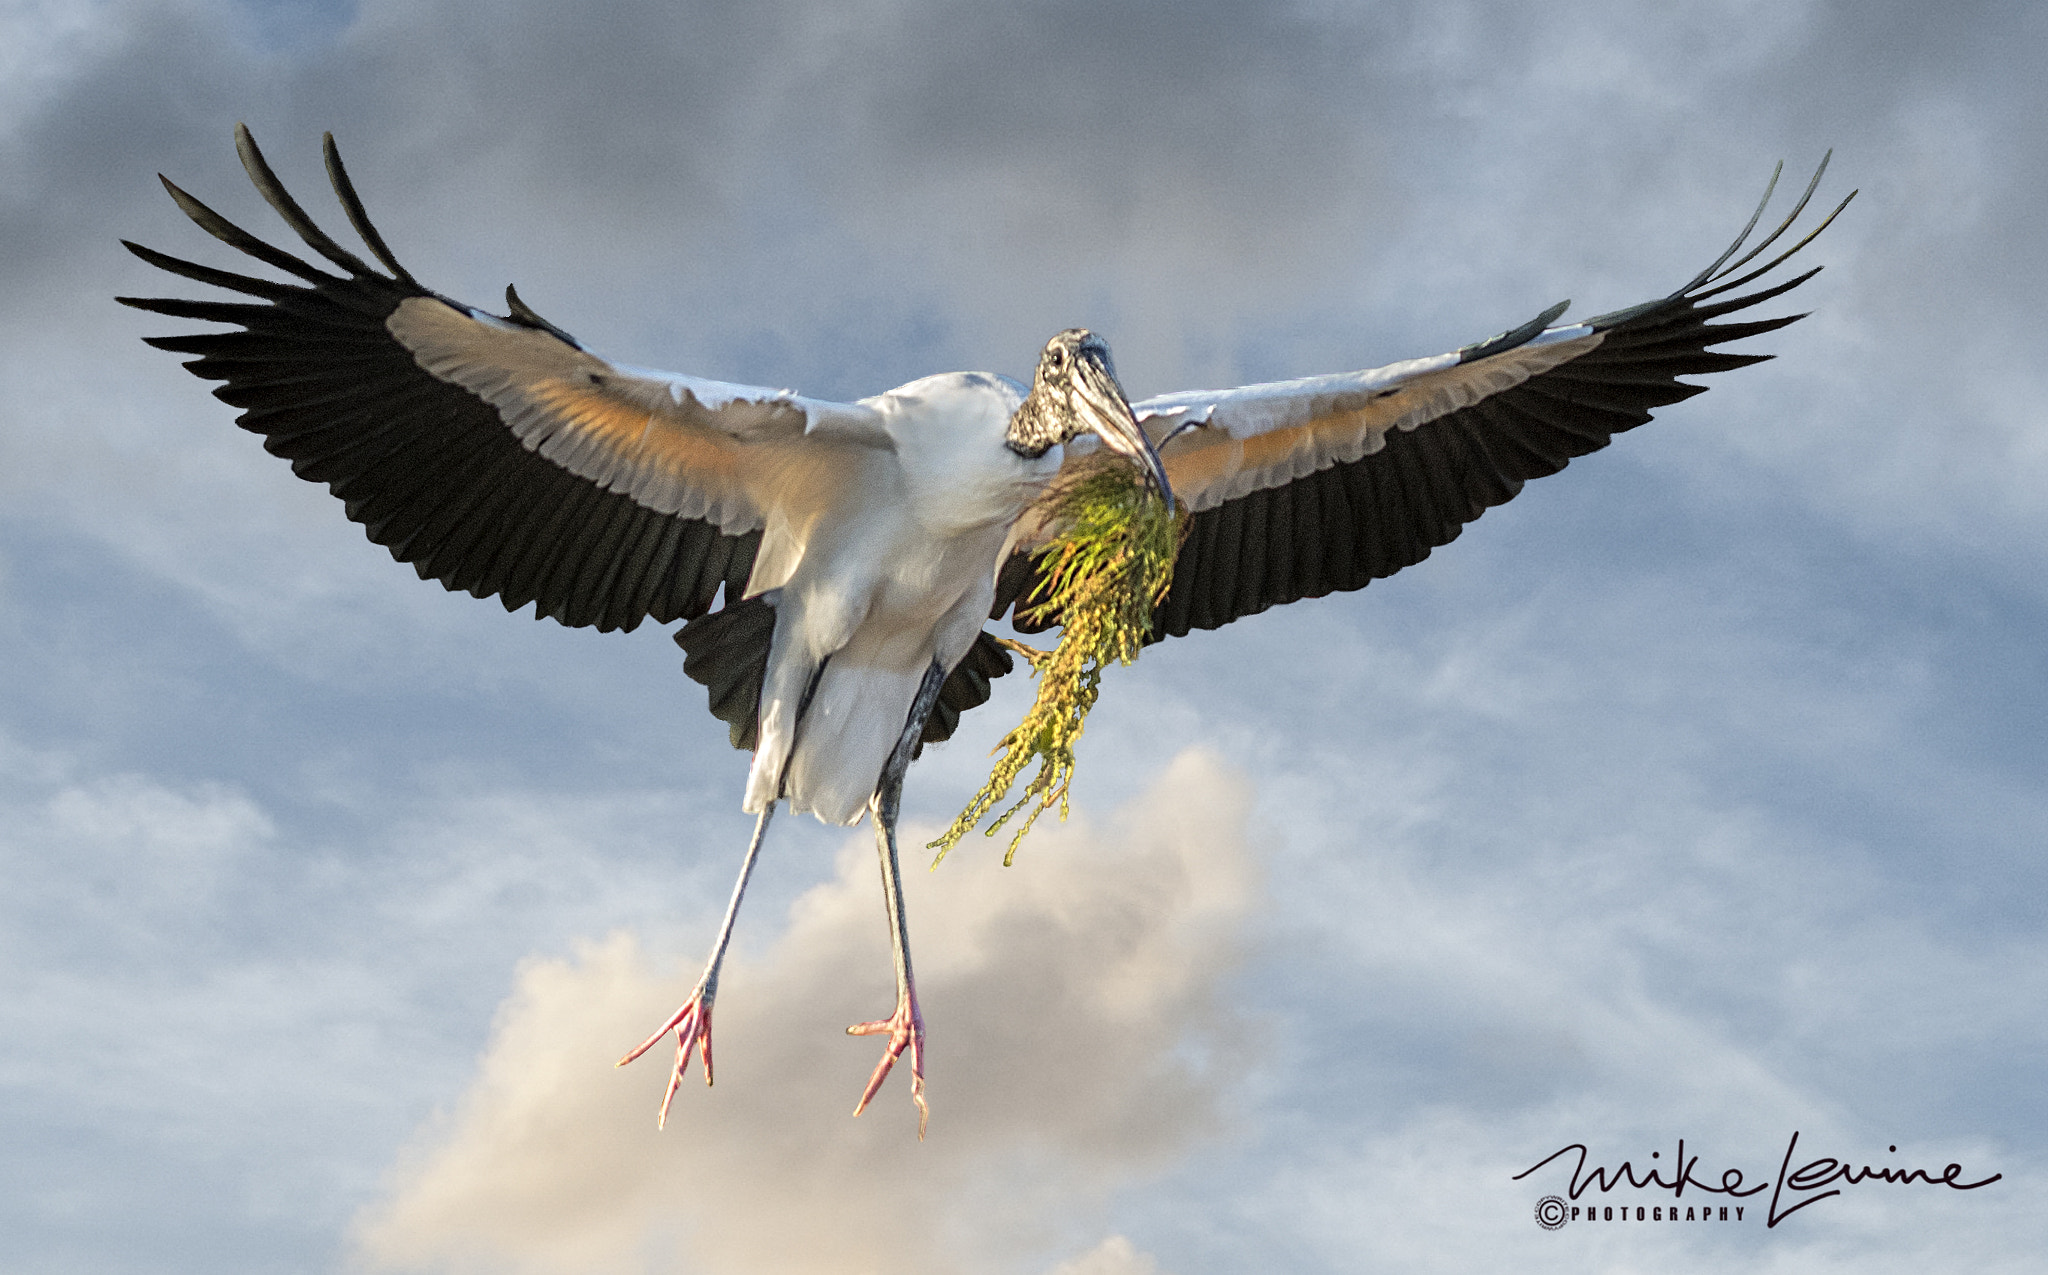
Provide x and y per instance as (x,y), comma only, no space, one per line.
(905,1028)
(692,1023)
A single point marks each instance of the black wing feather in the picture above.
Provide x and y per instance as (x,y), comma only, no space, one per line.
(427,468)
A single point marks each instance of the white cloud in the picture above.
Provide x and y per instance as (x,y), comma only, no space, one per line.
(1072,1003)
(1114,1256)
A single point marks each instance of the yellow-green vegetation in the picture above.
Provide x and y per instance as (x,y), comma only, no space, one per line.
(1109,563)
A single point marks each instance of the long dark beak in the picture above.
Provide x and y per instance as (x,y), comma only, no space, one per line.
(1100,403)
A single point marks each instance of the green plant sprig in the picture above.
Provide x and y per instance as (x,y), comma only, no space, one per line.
(1108,565)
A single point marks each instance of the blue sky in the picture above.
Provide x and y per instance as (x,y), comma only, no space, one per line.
(1697,793)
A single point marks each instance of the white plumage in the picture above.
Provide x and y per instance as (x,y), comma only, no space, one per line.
(894,572)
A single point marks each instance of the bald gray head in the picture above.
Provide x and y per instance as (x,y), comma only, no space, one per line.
(1076,390)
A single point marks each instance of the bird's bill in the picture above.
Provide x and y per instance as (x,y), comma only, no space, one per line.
(1100,402)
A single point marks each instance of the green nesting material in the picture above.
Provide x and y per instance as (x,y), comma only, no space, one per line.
(1109,564)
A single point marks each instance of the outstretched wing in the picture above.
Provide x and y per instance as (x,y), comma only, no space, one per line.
(1303,488)
(496,455)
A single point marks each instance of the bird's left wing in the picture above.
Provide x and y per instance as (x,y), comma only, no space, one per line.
(1307,487)
(495,454)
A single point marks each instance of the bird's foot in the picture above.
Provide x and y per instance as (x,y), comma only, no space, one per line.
(692,1025)
(905,1030)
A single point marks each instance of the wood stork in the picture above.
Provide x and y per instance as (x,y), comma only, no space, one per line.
(858,548)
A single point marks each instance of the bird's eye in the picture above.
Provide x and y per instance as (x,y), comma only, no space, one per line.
(1056,360)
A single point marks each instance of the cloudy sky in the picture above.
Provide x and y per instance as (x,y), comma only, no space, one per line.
(1698,793)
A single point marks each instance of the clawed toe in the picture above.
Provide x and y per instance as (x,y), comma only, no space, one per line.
(692,1025)
(905,1031)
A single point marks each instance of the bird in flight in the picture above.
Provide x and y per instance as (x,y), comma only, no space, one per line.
(853,552)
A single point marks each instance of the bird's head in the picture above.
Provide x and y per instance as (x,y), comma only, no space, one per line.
(1074,390)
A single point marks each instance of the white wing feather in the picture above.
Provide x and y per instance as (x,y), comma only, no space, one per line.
(1221,444)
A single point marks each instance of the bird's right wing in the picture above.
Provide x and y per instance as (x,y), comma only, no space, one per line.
(497,455)
(1307,487)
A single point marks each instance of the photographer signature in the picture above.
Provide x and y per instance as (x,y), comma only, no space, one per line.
(1792,1188)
